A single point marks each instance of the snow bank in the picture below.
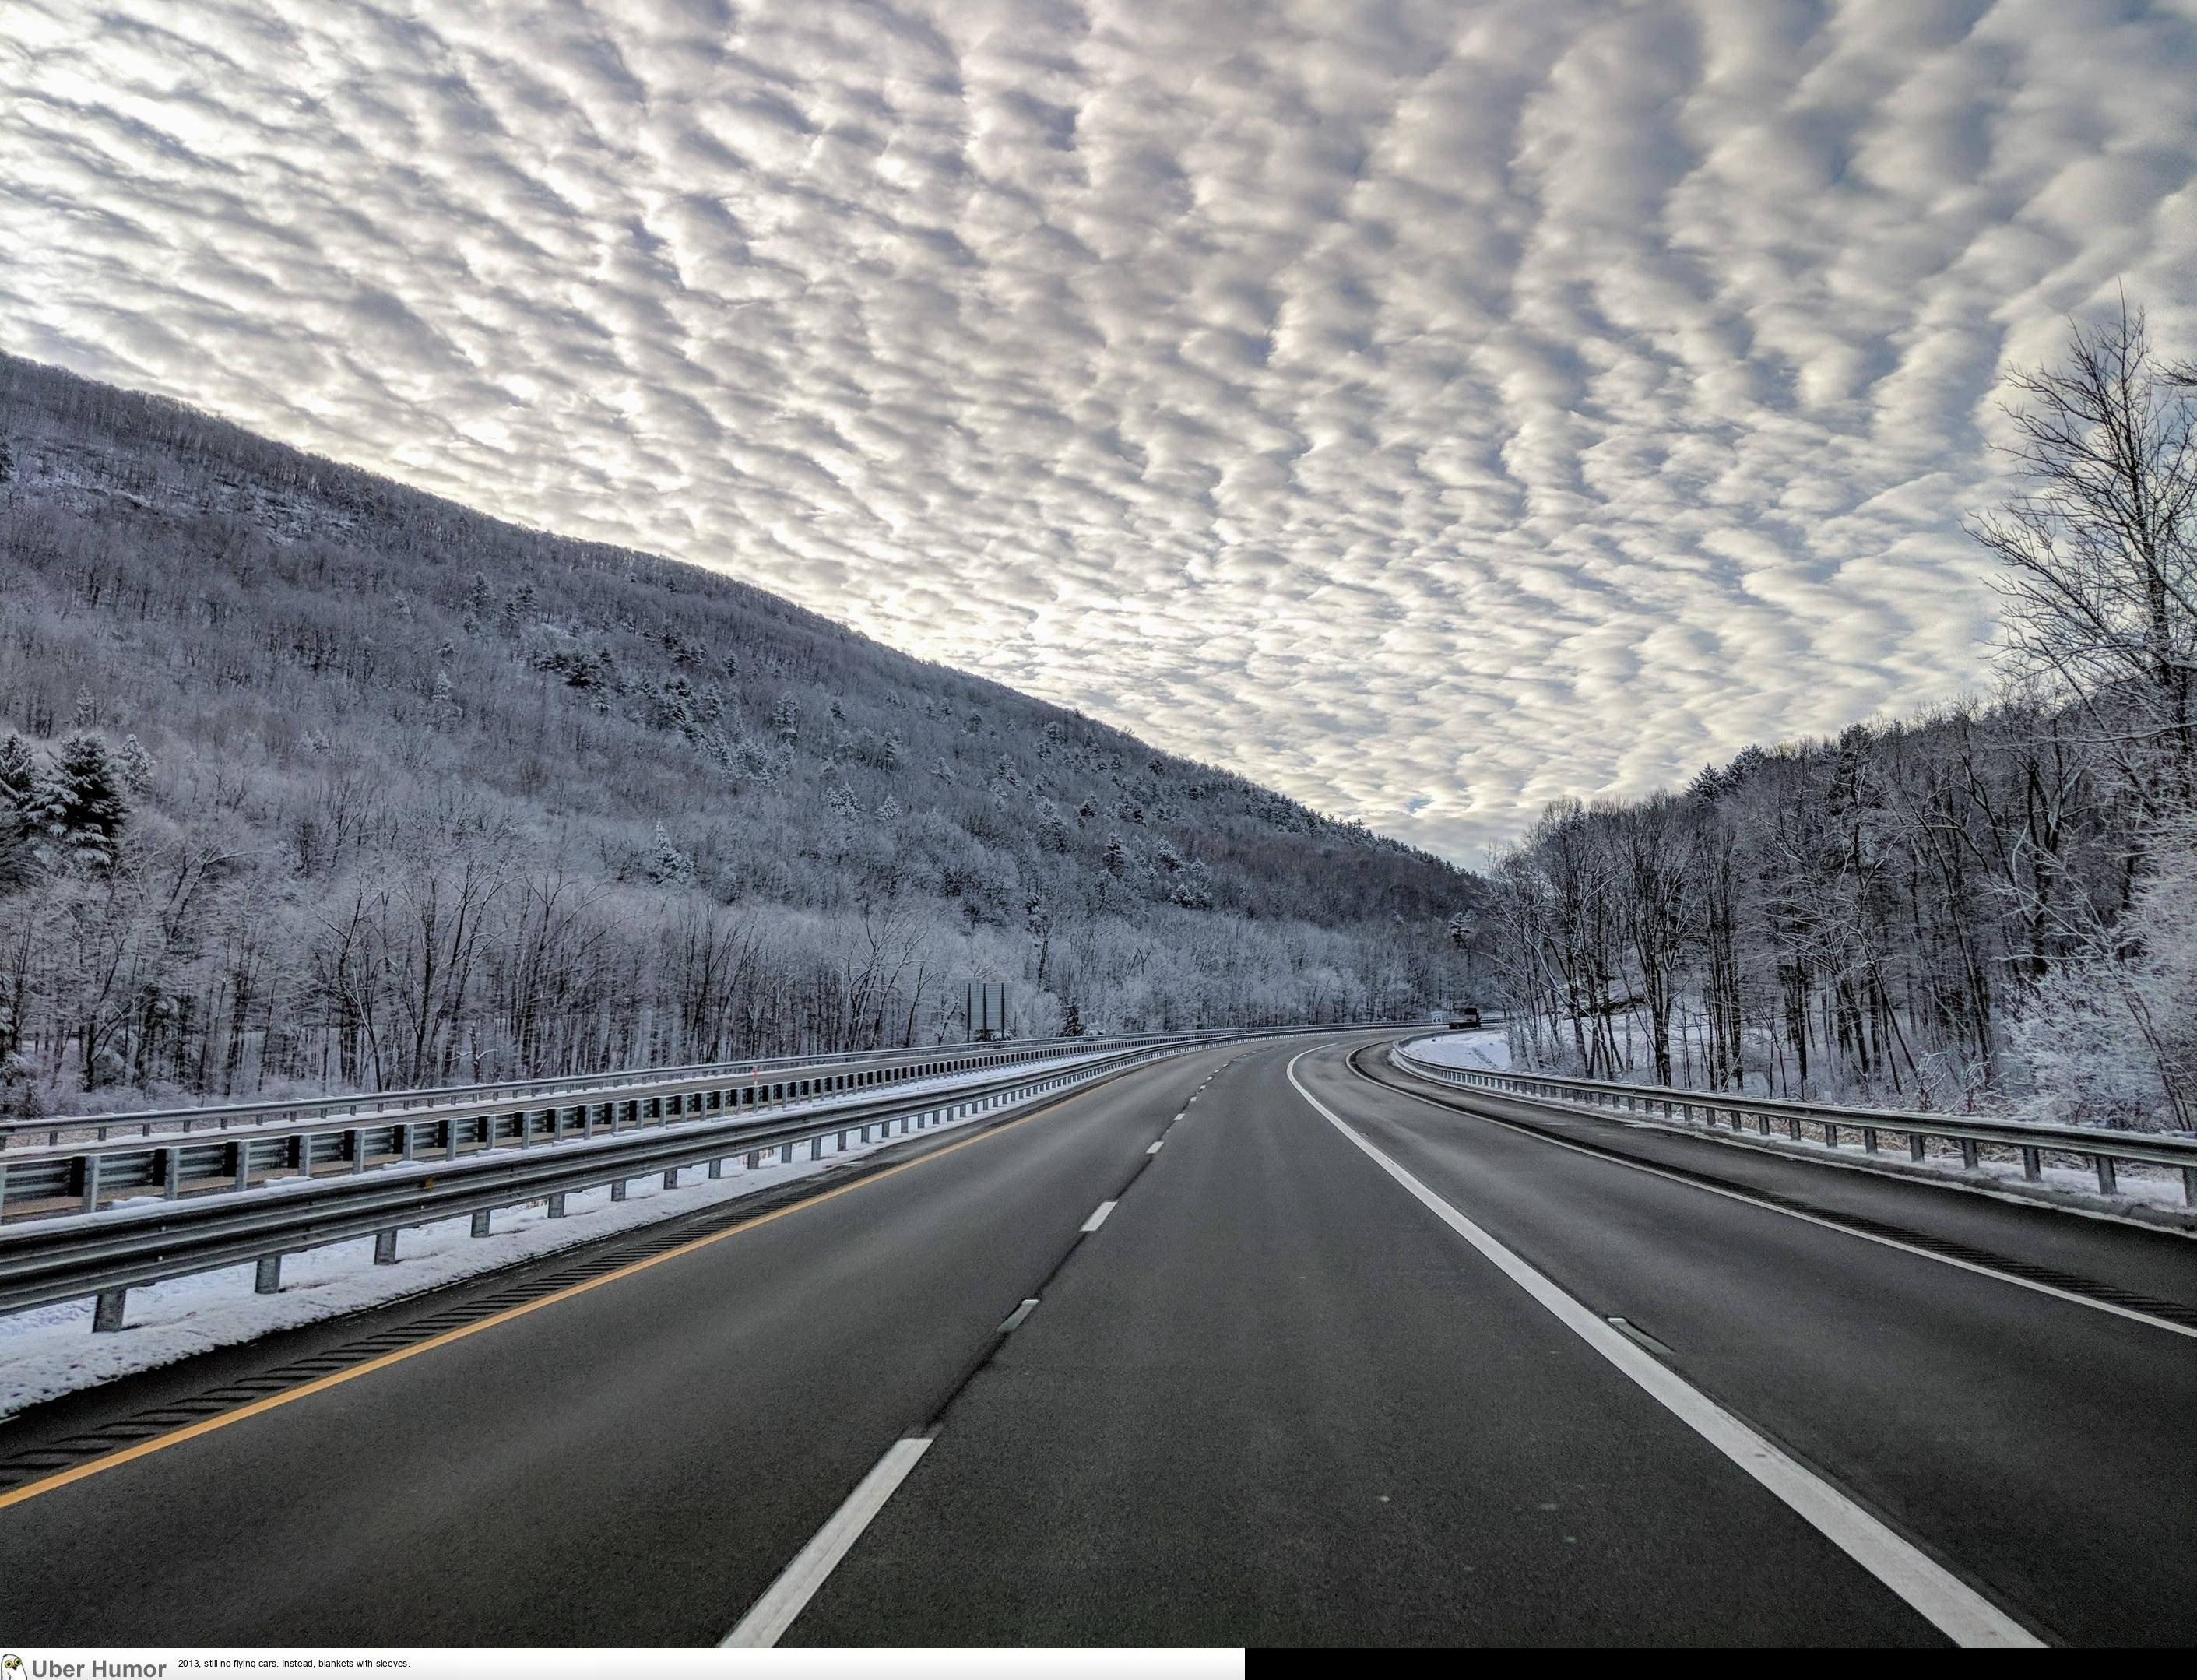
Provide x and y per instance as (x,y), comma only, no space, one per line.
(1487,1049)
(51,1351)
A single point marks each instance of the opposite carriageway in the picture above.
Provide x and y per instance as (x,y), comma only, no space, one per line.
(169,1153)
(480,1156)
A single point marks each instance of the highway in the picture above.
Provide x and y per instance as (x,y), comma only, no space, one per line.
(1335,1366)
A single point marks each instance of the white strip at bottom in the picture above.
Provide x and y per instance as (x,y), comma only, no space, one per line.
(789,1594)
(1952,1607)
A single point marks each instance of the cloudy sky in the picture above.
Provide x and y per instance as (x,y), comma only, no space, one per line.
(1427,409)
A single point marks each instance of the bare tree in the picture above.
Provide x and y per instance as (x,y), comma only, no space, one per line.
(2100,572)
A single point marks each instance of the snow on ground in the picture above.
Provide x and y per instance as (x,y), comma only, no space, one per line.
(2138,1184)
(51,1351)
(1487,1049)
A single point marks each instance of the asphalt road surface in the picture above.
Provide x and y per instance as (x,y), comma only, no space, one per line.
(1337,1366)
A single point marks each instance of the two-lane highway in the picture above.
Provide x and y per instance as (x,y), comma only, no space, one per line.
(1336,1364)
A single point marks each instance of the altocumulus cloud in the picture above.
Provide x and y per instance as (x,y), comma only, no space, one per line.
(1428,408)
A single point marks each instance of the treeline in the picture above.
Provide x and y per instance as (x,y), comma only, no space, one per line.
(396,793)
(1992,907)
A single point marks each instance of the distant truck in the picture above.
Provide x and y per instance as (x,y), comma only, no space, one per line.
(1461,1020)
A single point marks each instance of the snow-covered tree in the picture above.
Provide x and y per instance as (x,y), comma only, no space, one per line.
(667,866)
(443,709)
(137,765)
(79,805)
(18,772)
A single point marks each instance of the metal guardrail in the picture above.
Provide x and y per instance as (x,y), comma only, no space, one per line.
(79,1177)
(353,1133)
(226,1116)
(2034,1140)
(106,1253)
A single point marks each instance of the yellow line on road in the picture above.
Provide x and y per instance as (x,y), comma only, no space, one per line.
(191,1432)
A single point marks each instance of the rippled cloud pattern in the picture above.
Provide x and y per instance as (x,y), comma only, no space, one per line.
(1427,408)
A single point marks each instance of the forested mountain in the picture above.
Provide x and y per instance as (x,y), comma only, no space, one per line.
(308,778)
(1995,906)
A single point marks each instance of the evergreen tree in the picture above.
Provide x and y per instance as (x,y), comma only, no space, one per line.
(19,772)
(79,803)
(136,764)
(668,866)
(443,708)
(1117,857)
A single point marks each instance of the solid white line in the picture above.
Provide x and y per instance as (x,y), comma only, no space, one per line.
(789,1594)
(1155,1148)
(1098,1218)
(2042,1288)
(1947,1602)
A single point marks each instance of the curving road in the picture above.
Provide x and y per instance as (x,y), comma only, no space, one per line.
(1337,1365)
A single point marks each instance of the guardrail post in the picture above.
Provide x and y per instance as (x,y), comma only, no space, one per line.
(267,1275)
(357,1150)
(618,1189)
(91,1177)
(451,1125)
(171,1172)
(2032,1165)
(755,1158)
(481,1222)
(385,1248)
(1918,1146)
(1869,1138)
(1968,1153)
(557,1205)
(1830,1135)
(107,1311)
(671,1178)
(408,1137)
(2105,1163)
(786,1155)
(717,1167)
